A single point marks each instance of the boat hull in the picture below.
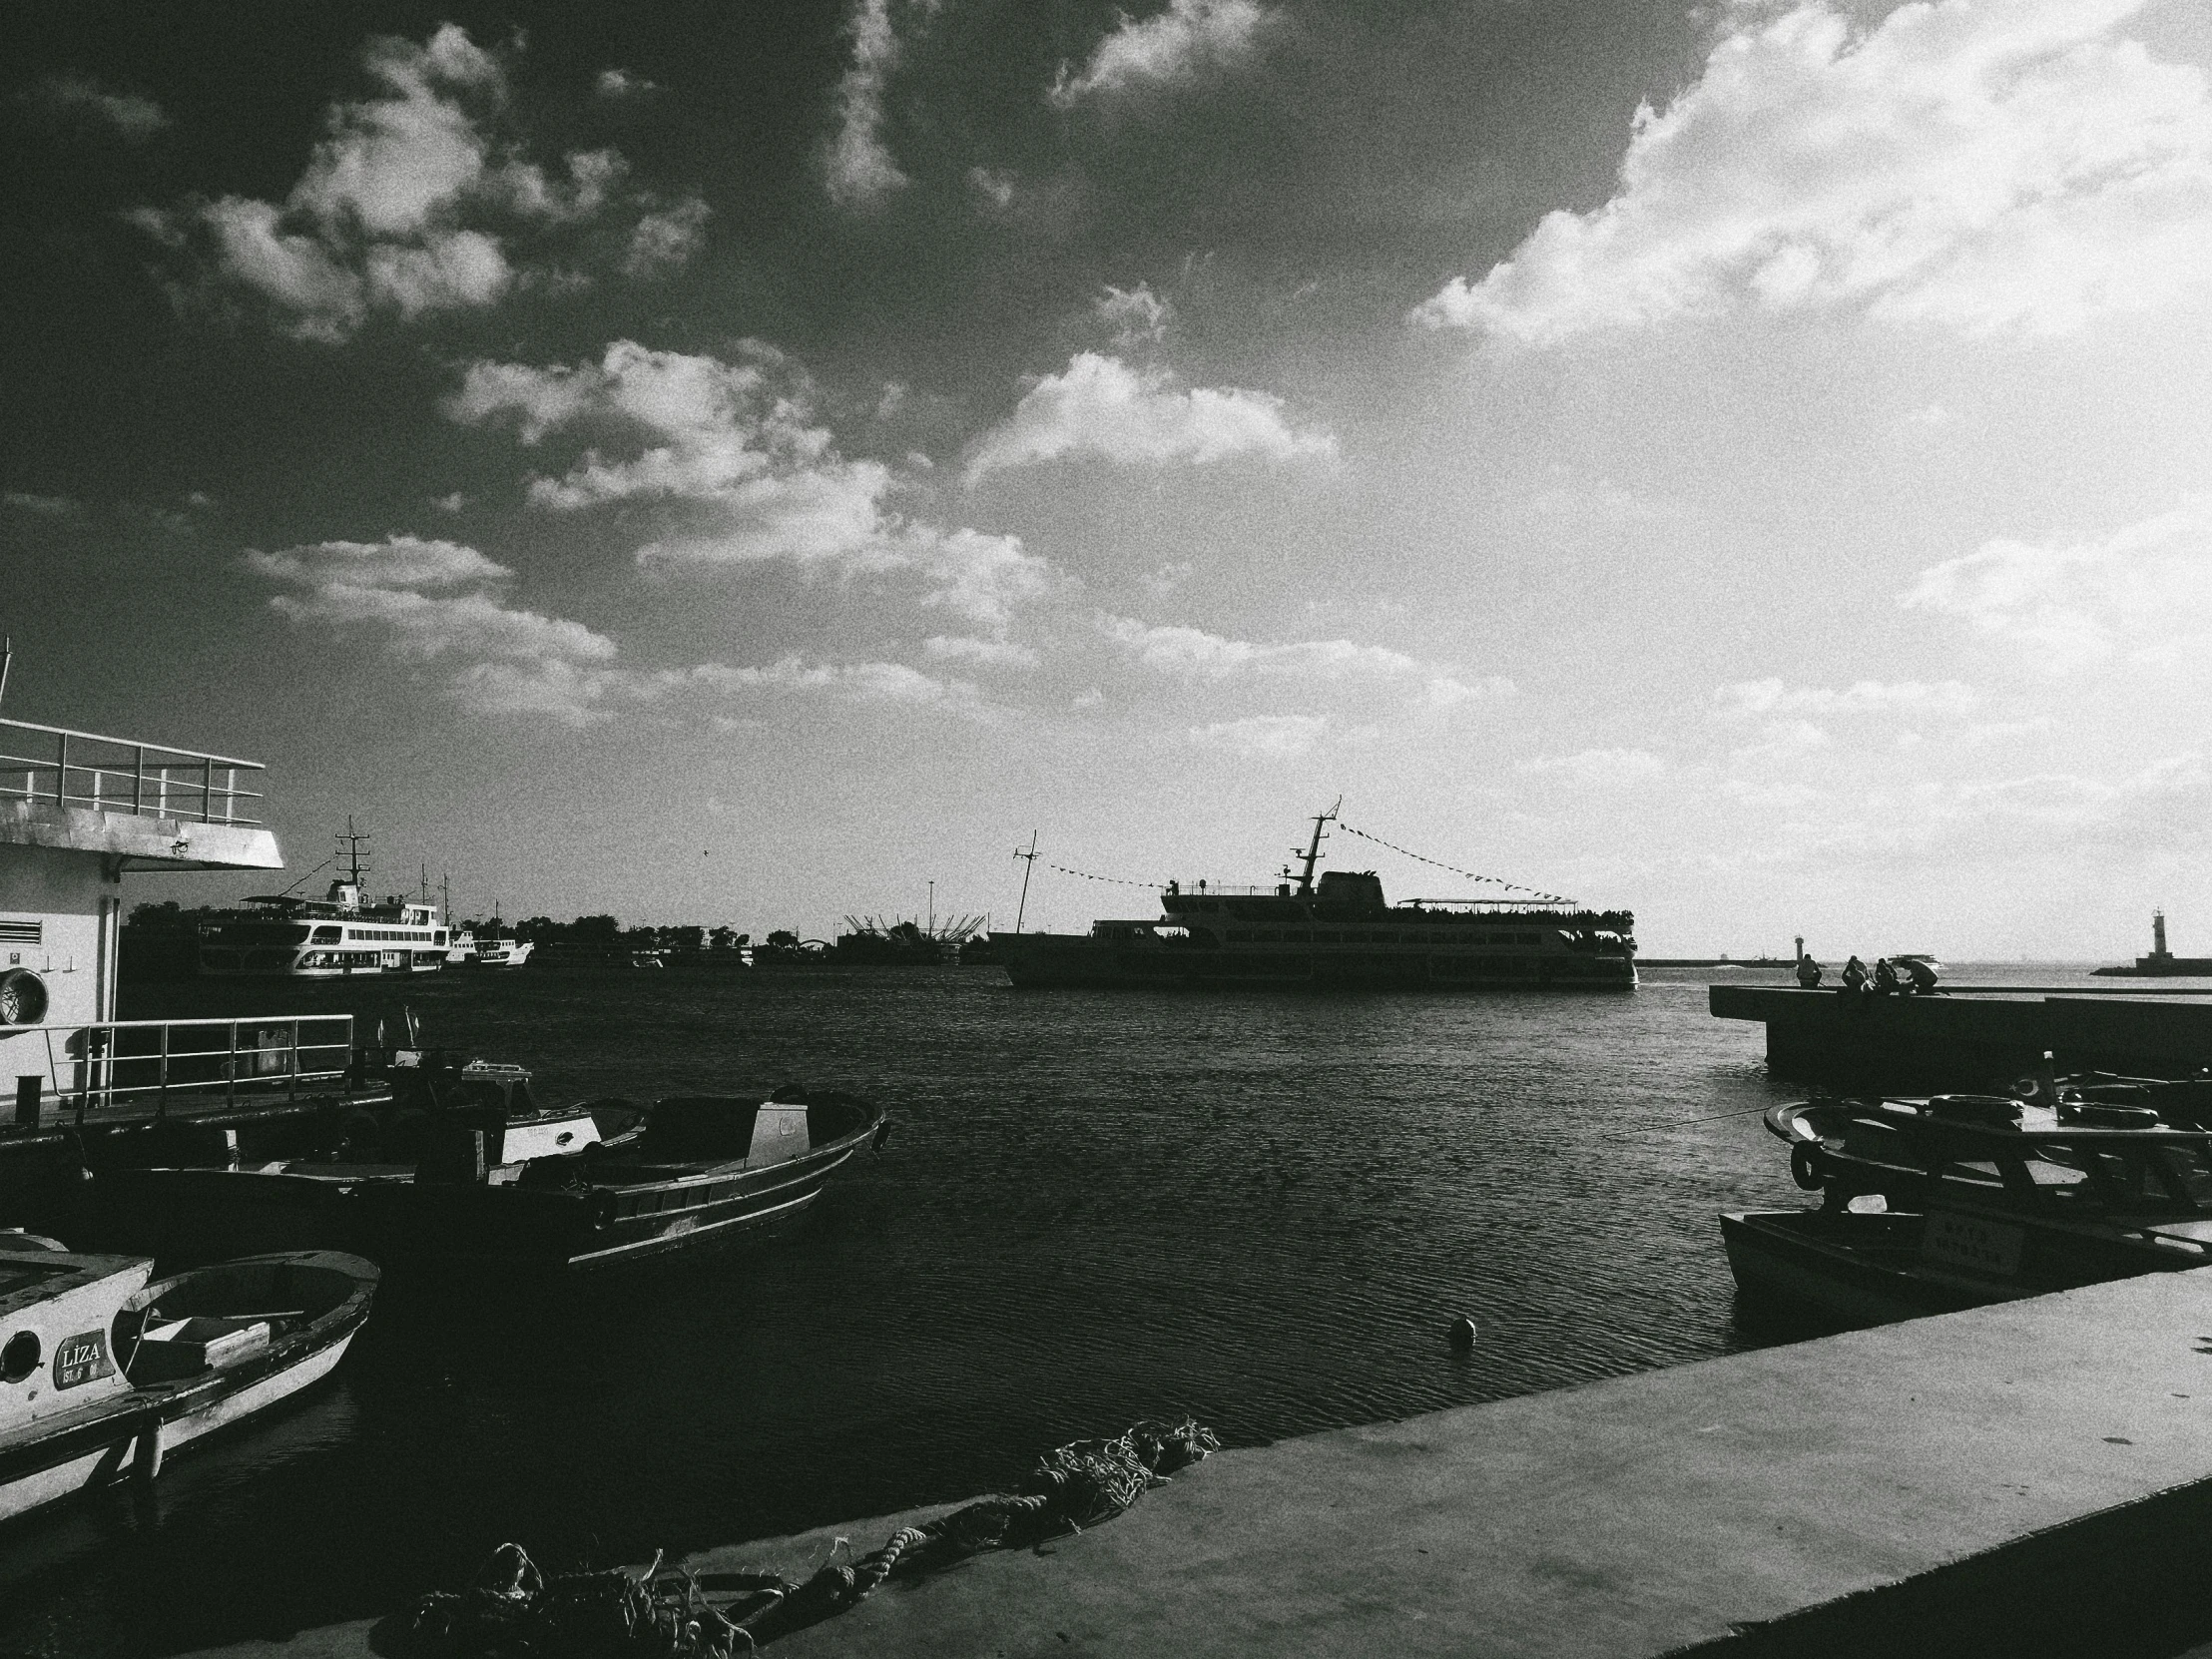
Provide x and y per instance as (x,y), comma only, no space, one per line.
(130,1437)
(1874,1269)
(1084,961)
(418,1226)
(1850,1268)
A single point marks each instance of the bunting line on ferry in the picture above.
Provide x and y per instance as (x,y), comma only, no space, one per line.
(1438,863)
(1115,881)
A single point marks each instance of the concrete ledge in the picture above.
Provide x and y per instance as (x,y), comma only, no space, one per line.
(1963,1041)
(2034,1477)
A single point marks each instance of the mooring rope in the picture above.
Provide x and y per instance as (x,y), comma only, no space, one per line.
(1438,863)
(513,1609)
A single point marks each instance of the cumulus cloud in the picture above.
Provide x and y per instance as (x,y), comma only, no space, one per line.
(667,240)
(874,682)
(1968,164)
(1100,405)
(985,653)
(858,168)
(738,437)
(1781,743)
(408,204)
(2145,589)
(1180,652)
(440,602)
(1275,737)
(1598,767)
(621,83)
(1137,315)
(80,98)
(735,446)
(1766,699)
(1195,654)
(45,506)
(1190,42)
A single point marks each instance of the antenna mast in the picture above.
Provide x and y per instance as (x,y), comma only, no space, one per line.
(350,846)
(1312,854)
(1028,855)
(7,656)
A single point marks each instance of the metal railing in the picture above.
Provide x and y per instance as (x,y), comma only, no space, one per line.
(193,1059)
(122,774)
(1478,907)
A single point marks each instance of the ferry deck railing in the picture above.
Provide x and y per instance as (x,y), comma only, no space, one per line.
(1479,906)
(85,769)
(191,1061)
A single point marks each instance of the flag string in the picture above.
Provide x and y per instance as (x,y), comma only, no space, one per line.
(1438,863)
(1113,880)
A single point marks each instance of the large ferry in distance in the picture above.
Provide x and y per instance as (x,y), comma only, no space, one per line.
(328,937)
(1336,933)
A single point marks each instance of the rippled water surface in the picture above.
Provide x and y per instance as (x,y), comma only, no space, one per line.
(1263,1211)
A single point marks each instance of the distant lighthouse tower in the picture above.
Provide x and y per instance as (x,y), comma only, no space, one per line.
(2158,948)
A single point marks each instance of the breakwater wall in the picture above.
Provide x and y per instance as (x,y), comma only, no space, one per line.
(1961,1042)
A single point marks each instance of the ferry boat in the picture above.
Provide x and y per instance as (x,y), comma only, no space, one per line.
(103,1372)
(1337,933)
(330,937)
(488,947)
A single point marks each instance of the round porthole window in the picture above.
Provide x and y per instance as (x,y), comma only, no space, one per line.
(20,1356)
(22,998)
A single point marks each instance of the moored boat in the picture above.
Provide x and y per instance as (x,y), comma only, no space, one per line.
(470,1173)
(105,1372)
(1960,1200)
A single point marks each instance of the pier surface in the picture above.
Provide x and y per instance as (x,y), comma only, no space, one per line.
(1965,1041)
(2029,1478)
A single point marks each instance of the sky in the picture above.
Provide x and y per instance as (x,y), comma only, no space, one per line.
(1743,463)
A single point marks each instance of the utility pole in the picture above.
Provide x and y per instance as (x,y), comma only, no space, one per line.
(1028,855)
(932,909)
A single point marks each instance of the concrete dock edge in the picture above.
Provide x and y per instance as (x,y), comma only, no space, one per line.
(2029,1478)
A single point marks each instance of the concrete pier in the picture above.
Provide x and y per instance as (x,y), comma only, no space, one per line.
(2034,1478)
(1902,1042)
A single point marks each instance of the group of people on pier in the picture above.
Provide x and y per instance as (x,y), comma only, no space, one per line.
(1906,976)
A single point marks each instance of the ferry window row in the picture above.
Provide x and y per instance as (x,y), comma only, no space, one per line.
(328,934)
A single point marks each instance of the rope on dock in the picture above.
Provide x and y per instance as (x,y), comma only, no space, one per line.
(514,1611)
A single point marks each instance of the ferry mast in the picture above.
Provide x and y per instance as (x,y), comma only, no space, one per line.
(1311,855)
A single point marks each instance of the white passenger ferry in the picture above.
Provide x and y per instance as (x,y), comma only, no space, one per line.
(330,937)
(489,945)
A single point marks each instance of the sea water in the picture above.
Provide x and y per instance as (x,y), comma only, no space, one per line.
(1094,1206)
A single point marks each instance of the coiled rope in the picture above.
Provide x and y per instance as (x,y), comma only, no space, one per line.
(1438,863)
(513,1610)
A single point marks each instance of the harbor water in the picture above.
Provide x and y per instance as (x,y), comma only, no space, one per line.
(1093,1208)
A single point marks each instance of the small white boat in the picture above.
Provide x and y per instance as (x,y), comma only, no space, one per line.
(104,1373)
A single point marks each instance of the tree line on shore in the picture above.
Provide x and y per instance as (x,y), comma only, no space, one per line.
(600,932)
